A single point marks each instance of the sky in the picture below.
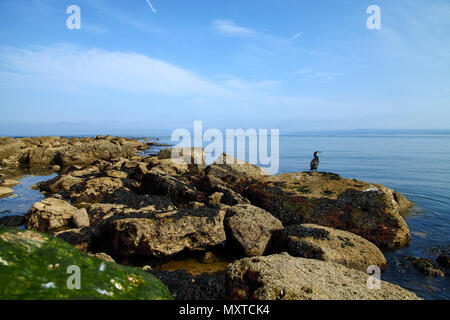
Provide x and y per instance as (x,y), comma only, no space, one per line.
(142,66)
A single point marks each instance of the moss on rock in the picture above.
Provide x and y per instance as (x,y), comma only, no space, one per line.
(35,266)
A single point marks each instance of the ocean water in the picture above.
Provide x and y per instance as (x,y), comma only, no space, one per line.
(416,164)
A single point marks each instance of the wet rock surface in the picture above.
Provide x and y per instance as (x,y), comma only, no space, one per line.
(327,244)
(369,210)
(282,277)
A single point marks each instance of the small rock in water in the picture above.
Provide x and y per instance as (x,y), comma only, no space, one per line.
(426,266)
(9,183)
(12,221)
(444,259)
(4,192)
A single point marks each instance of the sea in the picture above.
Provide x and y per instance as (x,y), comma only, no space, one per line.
(414,162)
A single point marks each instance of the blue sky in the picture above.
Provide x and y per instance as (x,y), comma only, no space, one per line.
(290,64)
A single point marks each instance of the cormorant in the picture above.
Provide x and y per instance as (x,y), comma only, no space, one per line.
(314,163)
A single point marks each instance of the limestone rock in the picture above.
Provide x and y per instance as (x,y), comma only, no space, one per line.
(317,242)
(282,277)
(251,228)
(165,234)
(368,210)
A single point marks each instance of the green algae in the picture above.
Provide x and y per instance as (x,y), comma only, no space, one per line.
(35,266)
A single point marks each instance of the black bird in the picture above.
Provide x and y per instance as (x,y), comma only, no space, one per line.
(314,163)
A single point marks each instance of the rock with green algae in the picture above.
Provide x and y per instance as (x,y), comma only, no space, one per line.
(34,266)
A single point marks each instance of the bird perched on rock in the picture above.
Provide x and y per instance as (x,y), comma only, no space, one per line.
(314,163)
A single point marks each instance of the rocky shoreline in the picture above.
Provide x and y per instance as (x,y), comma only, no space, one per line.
(293,236)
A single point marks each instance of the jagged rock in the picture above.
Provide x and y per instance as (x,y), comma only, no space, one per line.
(49,215)
(317,242)
(82,238)
(193,157)
(426,267)
(60,184)
(35,266)
(229,172)
(164,234)
(136,206)
(80,218)
(184,286)
(282,277)
(102,256)
(95,190)
(160,183)
(12,221)
(4,192)
(251,228)
(368,210)
(9,183)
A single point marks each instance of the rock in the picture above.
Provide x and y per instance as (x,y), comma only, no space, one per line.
(9,183)
(56,167)
(426,267)
(368,210)
(229,172)
(116,174)
(89,152)
(4,192)
(49,215)
(251,228)
(444,259)
(80,218)
(60,184)
(102,256)
(82,238)
(159,183)
(164,234)
(282,277)
(193,157)
(35,266)
(12,221)
(184,286)
(322,243)
(95,190)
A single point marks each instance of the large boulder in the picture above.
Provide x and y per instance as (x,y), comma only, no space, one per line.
(159,182)
(251,228)
(194,158)
(88,152)
(229,172)
(317,242)
(37,266)
(50,215)
(369,210)
(282,277)
(95,190)
(164,234)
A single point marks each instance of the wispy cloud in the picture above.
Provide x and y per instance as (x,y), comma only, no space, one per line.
(231,28)
(308,74)
(296,36)
(151,6)
(68,67)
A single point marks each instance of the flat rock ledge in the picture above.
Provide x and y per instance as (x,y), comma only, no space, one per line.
(283,277)
(322,243)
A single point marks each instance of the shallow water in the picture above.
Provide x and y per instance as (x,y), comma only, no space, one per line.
(415,164)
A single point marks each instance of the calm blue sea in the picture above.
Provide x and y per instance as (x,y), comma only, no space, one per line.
(414,163)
